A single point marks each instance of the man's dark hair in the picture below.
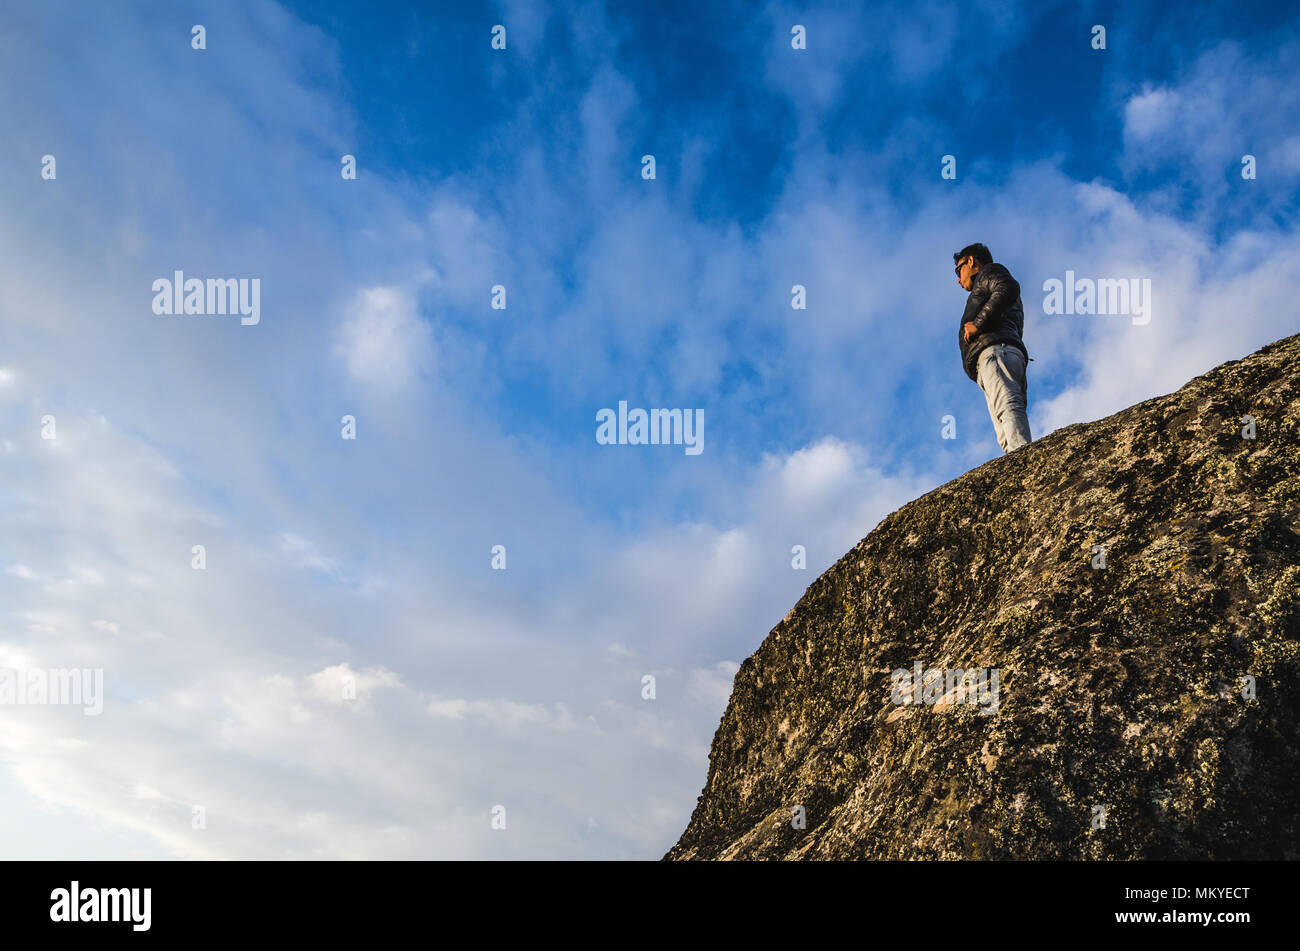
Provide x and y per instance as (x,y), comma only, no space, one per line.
(981,253)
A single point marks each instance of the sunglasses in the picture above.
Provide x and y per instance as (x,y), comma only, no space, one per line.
(957,269)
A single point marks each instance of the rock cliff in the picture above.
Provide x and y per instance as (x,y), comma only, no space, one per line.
(1123,598)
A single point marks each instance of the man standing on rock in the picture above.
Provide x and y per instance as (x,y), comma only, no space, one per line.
(991,349)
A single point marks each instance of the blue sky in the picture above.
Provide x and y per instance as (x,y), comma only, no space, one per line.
(368,561)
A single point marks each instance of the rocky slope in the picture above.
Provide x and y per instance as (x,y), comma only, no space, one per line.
(1125,724)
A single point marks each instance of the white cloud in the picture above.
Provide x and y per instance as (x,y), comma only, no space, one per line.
(351,689)
(1150,112)
(303,553)
(1226,103)
(383,340)
(508,715)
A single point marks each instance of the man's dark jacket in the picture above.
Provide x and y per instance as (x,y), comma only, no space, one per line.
(994,308)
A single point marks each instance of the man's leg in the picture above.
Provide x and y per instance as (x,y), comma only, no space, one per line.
(1001,374)
(980,375)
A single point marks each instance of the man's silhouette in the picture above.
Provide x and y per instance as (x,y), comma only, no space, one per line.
(992,352)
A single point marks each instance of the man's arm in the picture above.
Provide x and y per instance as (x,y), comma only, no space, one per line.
(1003,289)
(974,303)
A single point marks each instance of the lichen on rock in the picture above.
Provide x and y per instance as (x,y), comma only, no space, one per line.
(1147,709)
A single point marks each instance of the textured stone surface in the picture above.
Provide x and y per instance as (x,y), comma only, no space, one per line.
(1119,687)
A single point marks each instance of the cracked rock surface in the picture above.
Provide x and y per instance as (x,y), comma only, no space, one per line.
(1147,709)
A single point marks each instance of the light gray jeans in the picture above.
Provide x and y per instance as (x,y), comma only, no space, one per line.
(1000,372)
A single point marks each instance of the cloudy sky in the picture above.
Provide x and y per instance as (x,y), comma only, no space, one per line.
(364,566)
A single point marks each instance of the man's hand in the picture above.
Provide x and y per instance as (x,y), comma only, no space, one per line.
(967,330)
